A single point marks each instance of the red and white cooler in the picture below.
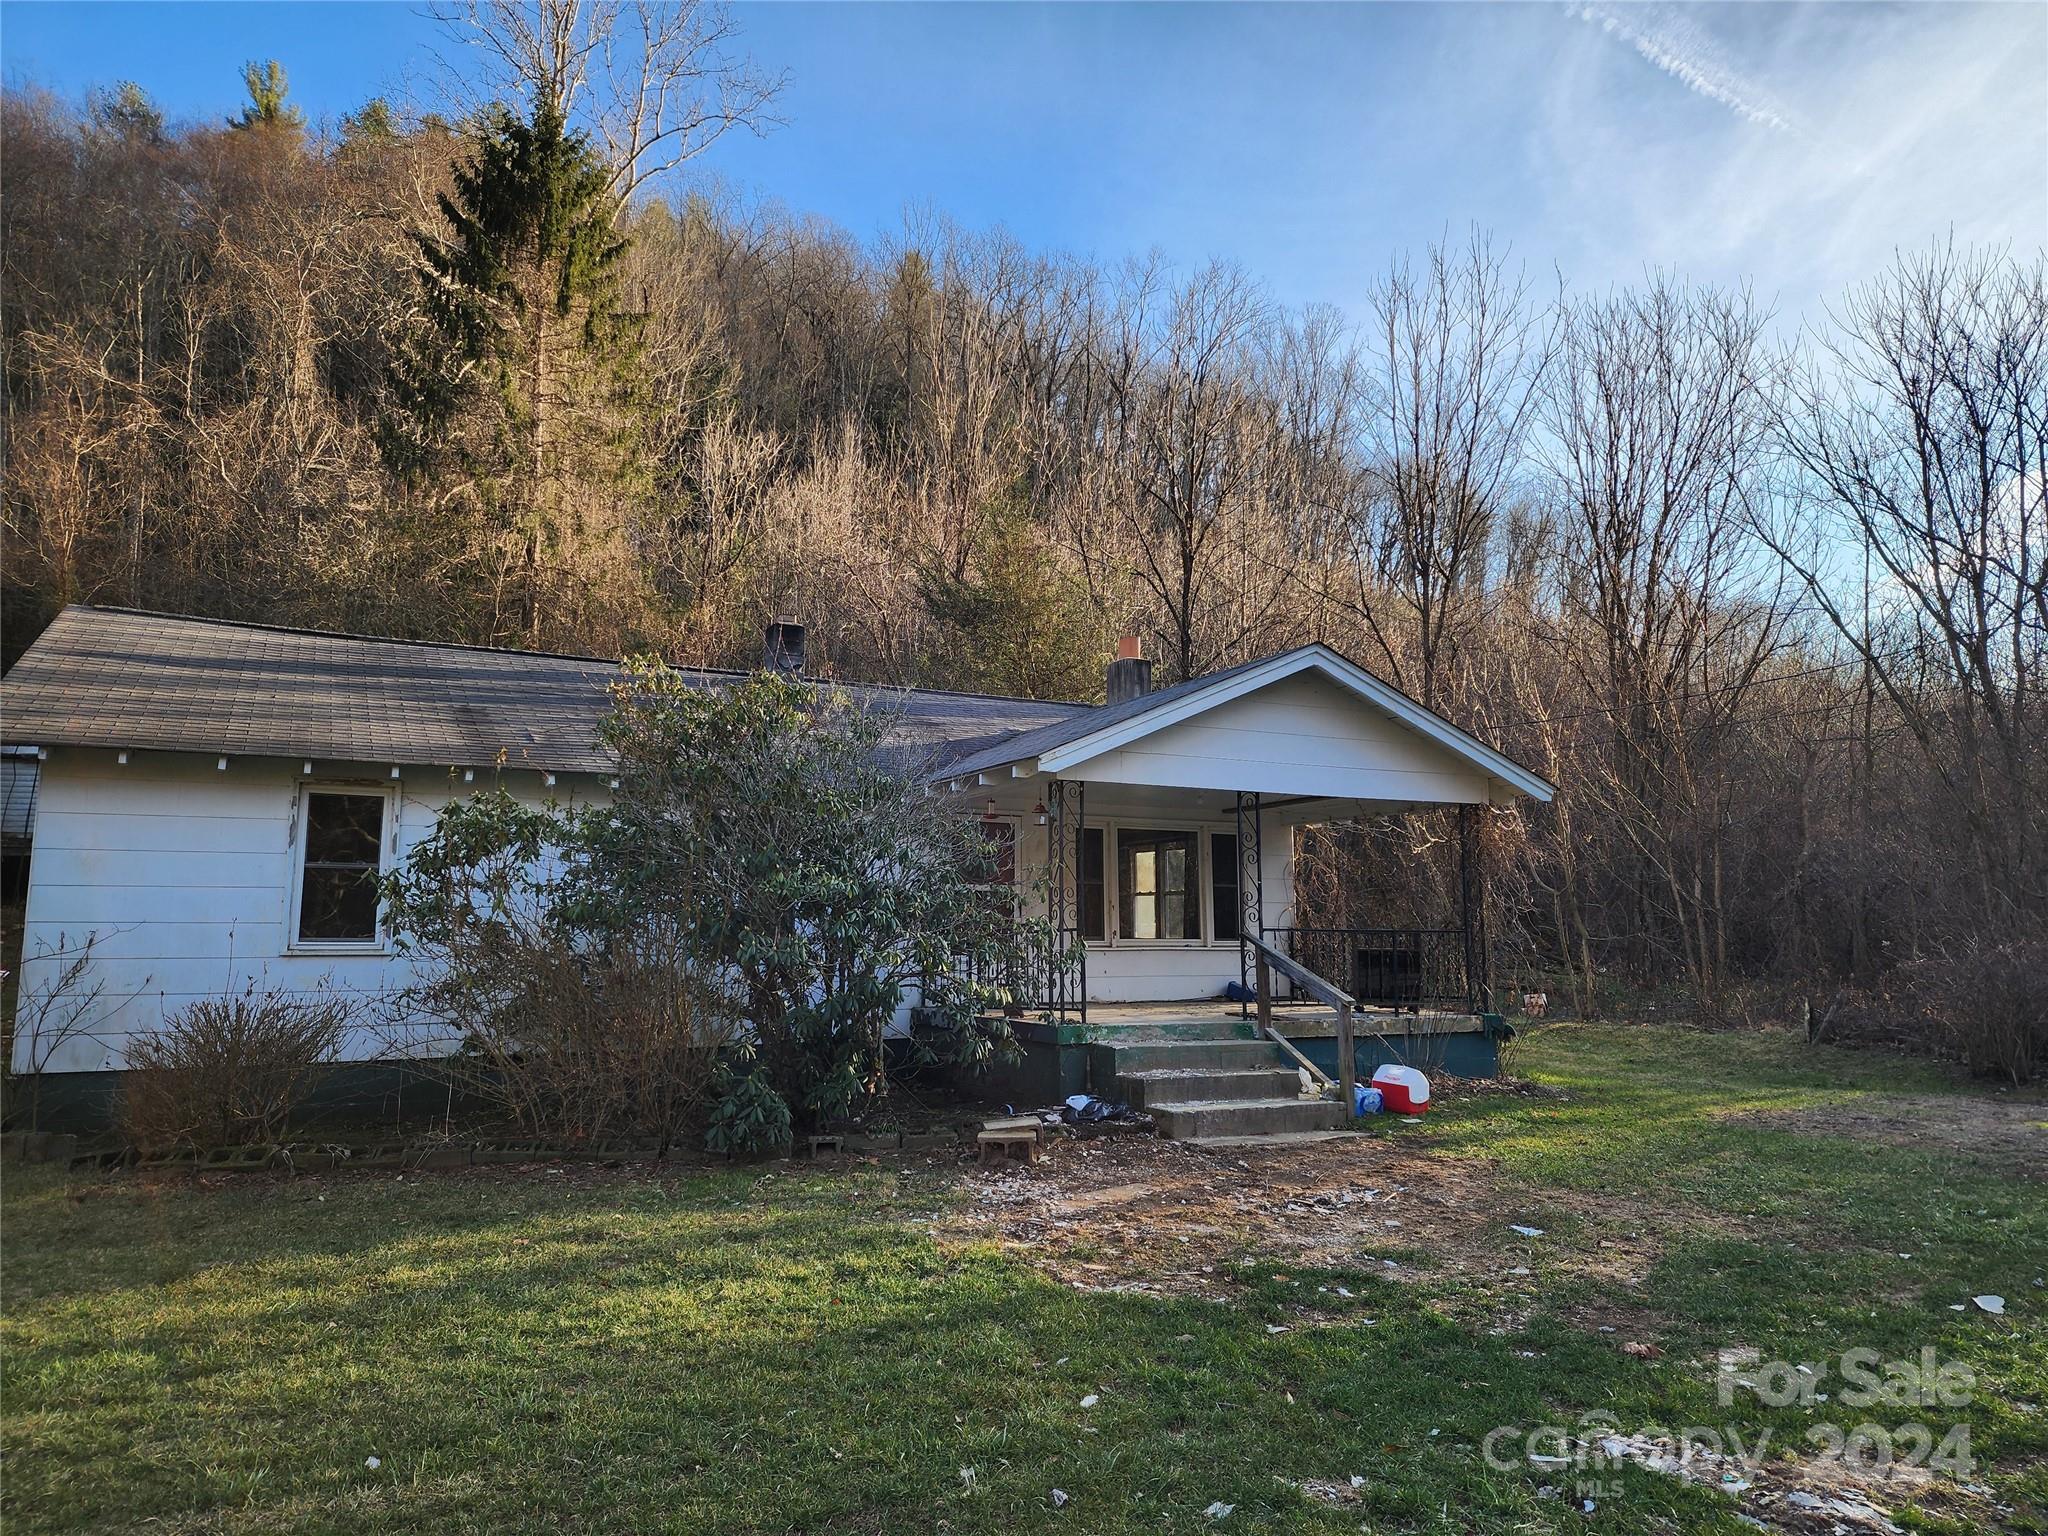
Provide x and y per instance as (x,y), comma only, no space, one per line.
(1404,1090)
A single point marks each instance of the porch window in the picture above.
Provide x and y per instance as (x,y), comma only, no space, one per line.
(1158,885)
(1223,895)
(1001,837)
(341,854)
(1093,905)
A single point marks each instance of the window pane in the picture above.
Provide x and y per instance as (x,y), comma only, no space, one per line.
(338,904)
(1093,914)
(344,854)
(1002,839)
(1223,882)
(1158,892)
(344,829)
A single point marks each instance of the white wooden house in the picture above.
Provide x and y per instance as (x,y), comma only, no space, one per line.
(215,799)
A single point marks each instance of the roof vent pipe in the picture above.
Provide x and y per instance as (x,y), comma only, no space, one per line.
(783,648)
(1130,675)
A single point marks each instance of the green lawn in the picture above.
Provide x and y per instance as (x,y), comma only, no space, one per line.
(790,1349)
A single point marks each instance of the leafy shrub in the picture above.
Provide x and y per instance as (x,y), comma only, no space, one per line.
(749,1119)
(763,871)
(581,1015)
(778,820)
(228,1071)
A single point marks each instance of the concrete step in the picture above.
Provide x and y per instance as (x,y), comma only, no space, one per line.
(1277,1139)
(1162,1031)
(1245,1117)
(1142,1090)
(1109,1062)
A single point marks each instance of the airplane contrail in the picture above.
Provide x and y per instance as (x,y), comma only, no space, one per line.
(1683,52)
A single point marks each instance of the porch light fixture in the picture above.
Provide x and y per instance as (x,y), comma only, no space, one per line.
(394,770)
(121,758)
(469,775)
(548,779)
(1038,810)
(221,765)
(989,809)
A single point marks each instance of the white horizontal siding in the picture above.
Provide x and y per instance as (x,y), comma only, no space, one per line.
(1300,736)
(89,831)
(182,874)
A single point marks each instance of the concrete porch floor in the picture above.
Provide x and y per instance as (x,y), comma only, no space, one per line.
(1214,1016)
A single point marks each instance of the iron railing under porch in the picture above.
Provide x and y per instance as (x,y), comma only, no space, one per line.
(1408,968)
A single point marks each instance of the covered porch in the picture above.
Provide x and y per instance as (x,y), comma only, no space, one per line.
(1154,897)
(1154,840)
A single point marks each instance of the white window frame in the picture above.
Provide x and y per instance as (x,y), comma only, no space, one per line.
(387,848)
(1112,893)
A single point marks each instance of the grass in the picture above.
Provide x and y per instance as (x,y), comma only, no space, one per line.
(795,1349)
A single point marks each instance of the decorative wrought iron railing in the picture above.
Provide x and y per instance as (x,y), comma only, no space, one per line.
(1412,968)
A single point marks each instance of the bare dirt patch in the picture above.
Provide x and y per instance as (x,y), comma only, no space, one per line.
(2005,1133)
(1139,1214)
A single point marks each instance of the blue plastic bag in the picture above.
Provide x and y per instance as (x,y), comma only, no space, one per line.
(1366,1100)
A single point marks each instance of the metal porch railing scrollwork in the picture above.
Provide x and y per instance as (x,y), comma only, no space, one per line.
(1407,968)
(1067,964)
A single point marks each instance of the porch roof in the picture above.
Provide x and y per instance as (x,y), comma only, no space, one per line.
(1068,743)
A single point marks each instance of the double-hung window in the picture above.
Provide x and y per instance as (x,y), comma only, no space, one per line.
(341,856)
(1159,884)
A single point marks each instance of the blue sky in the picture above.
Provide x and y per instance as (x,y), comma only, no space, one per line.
(1795,145)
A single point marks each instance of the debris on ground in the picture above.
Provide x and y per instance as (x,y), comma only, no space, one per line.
(1325,1491)
(1829,1494)
(1218,1510)
(1995,1305)
(1087,1109)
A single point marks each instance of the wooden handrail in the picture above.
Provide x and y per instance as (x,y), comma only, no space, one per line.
(1327,993)
(1270,960)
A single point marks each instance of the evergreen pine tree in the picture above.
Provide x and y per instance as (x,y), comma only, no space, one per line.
(267,89)
(522,386)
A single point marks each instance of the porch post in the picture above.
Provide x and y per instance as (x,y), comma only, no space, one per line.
(1057,895)
(1079,792)
(1251,891)
(1472,913)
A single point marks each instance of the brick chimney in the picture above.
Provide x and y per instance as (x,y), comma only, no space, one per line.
(783,647)
(1130,675)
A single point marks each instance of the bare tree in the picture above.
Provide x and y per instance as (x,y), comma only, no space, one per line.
(1455,354)
(1656,415)
(651,81)
(1926,449)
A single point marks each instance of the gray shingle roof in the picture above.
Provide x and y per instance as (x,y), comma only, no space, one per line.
(113,677)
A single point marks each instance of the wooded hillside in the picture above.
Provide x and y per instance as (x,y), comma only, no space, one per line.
(1767,596)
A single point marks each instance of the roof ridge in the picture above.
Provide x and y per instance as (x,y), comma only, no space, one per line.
(508,650)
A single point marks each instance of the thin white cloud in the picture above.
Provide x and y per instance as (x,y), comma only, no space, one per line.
(1914,123)
(1680,49)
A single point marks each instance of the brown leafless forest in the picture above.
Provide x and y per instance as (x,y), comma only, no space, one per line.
(1766,595)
